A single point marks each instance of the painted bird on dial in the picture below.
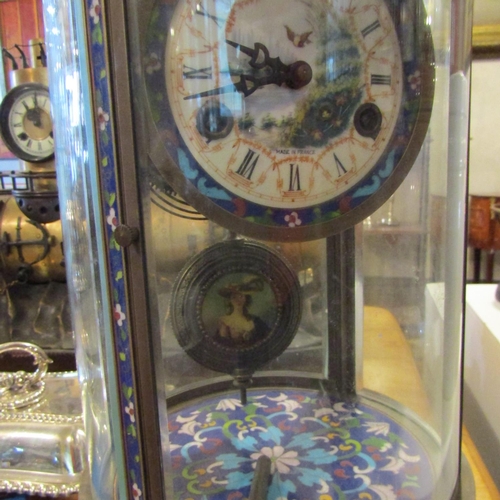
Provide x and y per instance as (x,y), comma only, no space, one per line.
(299,40)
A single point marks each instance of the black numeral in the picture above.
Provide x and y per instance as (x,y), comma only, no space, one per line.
(248,165)
(200,74)
(294,178)
(340,168)
(202,12)
(380,79)
(371,27)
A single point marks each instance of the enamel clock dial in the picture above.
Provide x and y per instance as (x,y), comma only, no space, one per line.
(26,123)
(288,120)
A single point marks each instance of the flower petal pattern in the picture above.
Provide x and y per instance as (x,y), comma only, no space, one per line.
(325,449)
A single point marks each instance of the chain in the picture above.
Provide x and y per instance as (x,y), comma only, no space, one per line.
(5,287)
(22,276)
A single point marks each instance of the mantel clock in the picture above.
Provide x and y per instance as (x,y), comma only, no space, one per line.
(240,155)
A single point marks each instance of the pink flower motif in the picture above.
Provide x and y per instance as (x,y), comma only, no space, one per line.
(102,118)
(415,80)
(152,63)
(129,410)
(136,492)
(293,219)
(95,11)
(111,219)
(118,314)
(280,459)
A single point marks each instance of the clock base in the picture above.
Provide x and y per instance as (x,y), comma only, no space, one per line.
(320,448)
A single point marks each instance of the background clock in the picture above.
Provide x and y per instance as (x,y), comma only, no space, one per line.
(288,122)
(26,123)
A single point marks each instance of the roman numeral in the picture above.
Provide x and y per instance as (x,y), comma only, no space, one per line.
(25,105)
(371,27)
(18,124)
(247,165)
(380,79)
(202,12)
(294,178)
(39,146)
(340,168)
(200,74)
(29,143)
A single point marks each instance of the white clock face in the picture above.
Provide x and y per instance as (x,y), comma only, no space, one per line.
(291,114)
(30,123)
(286,147)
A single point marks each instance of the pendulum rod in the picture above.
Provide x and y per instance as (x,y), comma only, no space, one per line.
(341,352)
(261,479)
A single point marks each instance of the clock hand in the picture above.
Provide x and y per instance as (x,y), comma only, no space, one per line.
(34,116)
(247,85)
(259,51)
(297,75)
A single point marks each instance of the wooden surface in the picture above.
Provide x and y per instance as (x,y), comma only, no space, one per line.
(389,367)
(485,487)
(388,364)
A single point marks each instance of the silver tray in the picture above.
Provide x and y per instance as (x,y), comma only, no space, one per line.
(42,441)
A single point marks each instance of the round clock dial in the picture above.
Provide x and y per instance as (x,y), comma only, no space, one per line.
(26,123)
(289,120)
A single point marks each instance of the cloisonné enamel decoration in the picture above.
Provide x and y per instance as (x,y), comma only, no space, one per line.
(287,120)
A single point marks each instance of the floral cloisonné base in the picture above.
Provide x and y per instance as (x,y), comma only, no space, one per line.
(320,449)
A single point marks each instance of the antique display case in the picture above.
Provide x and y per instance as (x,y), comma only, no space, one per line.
(264,207)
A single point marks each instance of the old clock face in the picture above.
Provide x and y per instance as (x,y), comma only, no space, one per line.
(26,123)
(288,120)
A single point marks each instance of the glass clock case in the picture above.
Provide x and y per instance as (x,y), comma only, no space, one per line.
(264,233)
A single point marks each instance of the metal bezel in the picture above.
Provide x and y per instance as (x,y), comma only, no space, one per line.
(198,285)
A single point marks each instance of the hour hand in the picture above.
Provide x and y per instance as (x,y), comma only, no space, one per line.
(260,57)
(34,116)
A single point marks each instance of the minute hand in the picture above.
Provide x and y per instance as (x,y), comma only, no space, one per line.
(247,85)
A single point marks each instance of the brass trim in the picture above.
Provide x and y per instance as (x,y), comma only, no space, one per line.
(28,75)
(486,41)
